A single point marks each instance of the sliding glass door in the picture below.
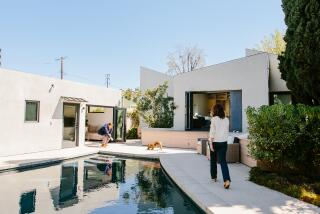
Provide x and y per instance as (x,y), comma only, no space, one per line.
(70,125)
(119,124)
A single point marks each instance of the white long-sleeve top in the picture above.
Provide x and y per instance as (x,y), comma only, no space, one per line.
(219,129)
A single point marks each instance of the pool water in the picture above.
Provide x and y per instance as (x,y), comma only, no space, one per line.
(95,184)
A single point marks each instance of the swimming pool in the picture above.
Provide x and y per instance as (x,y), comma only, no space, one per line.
(95,184)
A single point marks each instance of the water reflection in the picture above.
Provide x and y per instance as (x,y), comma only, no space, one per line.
(98,184)
(65,194)
(98,174)
(154,192)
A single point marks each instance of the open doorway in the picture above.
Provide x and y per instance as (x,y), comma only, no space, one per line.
(70,125)
(97,116)
(119,124)
(199,104)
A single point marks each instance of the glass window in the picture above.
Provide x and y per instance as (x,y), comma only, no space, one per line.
(28,202)
(32,111)
(281,98)
(95,109)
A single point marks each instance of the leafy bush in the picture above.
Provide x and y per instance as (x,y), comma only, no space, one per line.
(156,107)
(153,105)
(132,134)
(286,135)
(134,117)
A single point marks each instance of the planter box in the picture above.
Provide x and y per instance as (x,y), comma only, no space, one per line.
(244,154)
(172,138)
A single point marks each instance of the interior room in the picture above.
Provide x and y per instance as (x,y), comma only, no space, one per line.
(96,117)
(202,103)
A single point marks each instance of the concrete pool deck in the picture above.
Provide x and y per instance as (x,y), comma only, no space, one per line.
(190,171)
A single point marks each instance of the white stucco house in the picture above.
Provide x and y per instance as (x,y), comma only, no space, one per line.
(39,113)
(253,80)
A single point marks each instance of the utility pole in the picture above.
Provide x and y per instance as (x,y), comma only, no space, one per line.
(107,80)
(61,65)
(0,58)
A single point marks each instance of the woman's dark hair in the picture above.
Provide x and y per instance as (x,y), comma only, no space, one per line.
(218,110)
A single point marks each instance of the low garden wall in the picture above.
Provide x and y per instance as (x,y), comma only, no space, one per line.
(245,156)
(189,140)
(172,138)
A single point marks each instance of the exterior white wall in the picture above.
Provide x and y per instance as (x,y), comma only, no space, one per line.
(151,79)
(18,136)
(248,74)
(276,84)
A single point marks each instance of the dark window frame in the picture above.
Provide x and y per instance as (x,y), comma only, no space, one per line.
(38,111)
(95,112)
(28,201)
(271,96)
(189,126)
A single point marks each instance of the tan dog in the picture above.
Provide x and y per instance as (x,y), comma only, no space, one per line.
(152,146)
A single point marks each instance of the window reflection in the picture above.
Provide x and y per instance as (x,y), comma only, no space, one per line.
(65,195)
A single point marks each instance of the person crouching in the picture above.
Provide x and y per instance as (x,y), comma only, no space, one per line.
(105,131)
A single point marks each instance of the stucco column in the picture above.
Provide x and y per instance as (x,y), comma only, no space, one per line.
(82,124)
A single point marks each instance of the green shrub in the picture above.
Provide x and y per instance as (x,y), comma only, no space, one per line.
(132,134)
(134,117)
(286,135)
(153,105)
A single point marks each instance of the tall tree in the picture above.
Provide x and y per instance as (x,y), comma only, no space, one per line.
(300,63)
(273,44)
(185,59)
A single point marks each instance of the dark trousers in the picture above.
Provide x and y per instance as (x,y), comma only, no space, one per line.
(220,150)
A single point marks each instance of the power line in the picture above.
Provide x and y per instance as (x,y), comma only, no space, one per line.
(61,59)
(107,80)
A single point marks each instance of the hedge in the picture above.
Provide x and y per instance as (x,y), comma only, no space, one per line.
(286,135)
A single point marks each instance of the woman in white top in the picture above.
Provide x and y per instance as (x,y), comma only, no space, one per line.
(218,137)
